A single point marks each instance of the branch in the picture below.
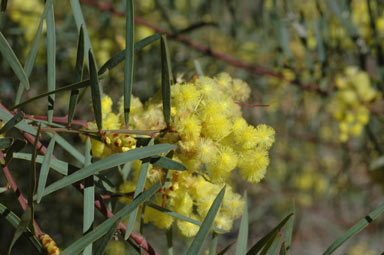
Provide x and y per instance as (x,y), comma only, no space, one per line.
(22,200)
(206,50)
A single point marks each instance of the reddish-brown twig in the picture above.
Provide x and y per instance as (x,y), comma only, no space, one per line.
(22,200)
(104,6)
(139,240)
(58,120)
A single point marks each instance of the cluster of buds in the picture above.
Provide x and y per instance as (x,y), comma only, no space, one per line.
(49,245)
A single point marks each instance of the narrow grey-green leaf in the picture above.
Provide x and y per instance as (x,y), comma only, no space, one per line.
(169,234)
(181,217)
(360,225)
(167,163)
(120,56)
(200,237)
(13,61)
(166,79)
(77,76)
(51,63)
(198,68)
(347,23)
(128,70)
(19,116)
(283,249)
(104,227)
(44,170)
(68,147)
(271,248)
(56,164)
(139,188)
(107,163)
(6,116)
(89,198)
(289,228)
(21,228)
(12,219)
(5,142)
(242,238)
(213,244)
(95,91)
(78,85)
(17,145)
(79,19)
(29,63)
(266,240)
(104,242)
(4,5)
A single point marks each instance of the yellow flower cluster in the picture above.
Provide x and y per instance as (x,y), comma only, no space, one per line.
(213,140)
(187,194)
(349,105)
(49,245)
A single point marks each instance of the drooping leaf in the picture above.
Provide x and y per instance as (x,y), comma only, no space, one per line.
(268,239)
(15,221)
(51,63)
(242,238)
(120,56)
(17,145)
(4,5)
(166,79)
(30,61)
(169,234)
(12,122)
(13,61)
(128,69)
(107,163)
(289,228)
(167,163)
(77,76)
(104,227)
(95,91)
(89,198)
(104,242)
(80,22)
(213,244)
(200,237)
(139,188)
(44,170)
(360,225)
(5,142)
(21,228)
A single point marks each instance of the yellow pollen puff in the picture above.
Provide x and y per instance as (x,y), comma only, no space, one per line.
(189,127)
(187,229)
(265,136)
(106,104)
(253,164)
(159,219)
(241,90)
(207,150)
(216,127)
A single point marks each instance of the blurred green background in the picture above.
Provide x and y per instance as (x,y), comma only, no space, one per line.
(312,62)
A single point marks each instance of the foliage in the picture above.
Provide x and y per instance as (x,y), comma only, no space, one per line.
(178,133)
